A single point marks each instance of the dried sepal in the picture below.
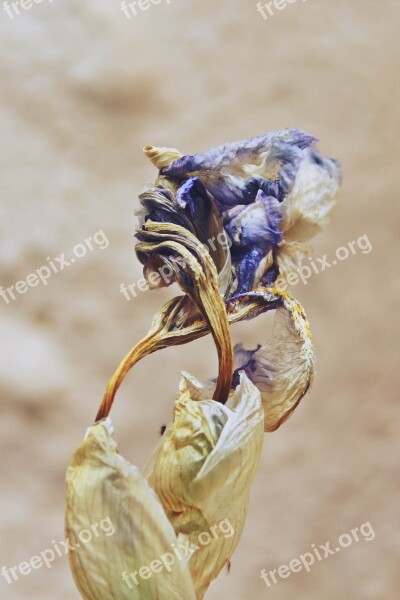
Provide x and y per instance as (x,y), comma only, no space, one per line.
(102,484)
(204,469)
(283,368)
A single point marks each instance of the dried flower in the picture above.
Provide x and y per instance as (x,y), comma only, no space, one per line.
(223,225)
(265,192)
(102,484)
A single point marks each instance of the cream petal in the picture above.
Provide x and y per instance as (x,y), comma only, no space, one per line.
(290,257)
(161,156)
(283,369)
(101,484)
(204,469)
(309,205)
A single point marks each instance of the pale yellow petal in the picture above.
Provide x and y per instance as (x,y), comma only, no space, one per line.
(309,205)
(204,469)
(101,484)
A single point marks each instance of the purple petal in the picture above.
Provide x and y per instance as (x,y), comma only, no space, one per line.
(236,153)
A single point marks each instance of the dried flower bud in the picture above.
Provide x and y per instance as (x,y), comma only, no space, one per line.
(102,484)
(263,191)
(204,468)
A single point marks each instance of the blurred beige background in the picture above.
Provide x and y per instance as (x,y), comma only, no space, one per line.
(84,88)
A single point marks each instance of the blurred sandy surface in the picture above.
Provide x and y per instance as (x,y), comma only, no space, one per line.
(83,90)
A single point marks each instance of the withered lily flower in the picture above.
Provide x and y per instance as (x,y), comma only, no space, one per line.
(268,194)
(223,225)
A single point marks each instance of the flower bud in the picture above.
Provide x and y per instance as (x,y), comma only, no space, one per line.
(101,484)
(204,469)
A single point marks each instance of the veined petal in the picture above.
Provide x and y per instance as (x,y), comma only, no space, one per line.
(101,484)
(255,235)
(309,205)
(204,468)
(283,369)
(235,156)
(257,223)
(290,257)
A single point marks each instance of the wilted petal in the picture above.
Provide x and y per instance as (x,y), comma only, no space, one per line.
(193,198)
(204,468)
(257,223)
(309,205)
(283,369)
(290,257)
(283,166)
(236,157)
(233,174)
(255,235)
(101,484)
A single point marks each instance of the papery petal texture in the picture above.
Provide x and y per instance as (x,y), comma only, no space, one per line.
(282,369)
(310,203)
(101,484)
(203,470)
(265,192)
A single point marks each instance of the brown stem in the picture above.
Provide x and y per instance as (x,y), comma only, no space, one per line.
(145,347)
(169,329)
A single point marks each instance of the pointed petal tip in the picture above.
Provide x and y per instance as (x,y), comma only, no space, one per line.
(161,156)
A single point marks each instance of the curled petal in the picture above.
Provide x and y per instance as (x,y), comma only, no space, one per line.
(257,223)
(204,468)
(310,203)
(282,166)
(194,199)
(255,235)
(102,485)
(283,369)
(161,157)
(237,157)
